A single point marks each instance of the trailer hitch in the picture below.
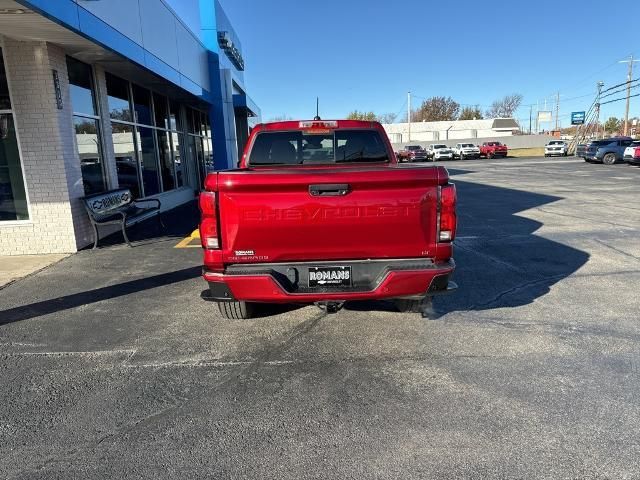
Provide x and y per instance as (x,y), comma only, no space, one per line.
(330,307)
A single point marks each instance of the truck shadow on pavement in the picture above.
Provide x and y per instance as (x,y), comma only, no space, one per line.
(75,300)
(501,261)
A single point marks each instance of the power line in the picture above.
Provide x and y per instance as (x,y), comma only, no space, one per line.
(623,89)
(620,99)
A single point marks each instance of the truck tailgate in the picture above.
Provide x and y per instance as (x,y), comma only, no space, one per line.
(280,215)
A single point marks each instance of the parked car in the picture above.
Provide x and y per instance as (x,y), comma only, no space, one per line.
(466,150)
(280,230)
(632,153)
(493,149)
(556,147)
(581,149)
(607,151)
(439,151)
(412,153)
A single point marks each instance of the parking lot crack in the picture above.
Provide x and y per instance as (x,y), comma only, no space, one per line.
(615,249)
(522,286)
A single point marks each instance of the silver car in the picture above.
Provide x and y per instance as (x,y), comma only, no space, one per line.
(466,150)
(556,147)
(439,152)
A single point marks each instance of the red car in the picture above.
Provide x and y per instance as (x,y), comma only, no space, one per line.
(493,149)
(321,212)
(412,153)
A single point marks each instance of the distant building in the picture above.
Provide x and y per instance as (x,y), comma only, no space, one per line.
(451,130)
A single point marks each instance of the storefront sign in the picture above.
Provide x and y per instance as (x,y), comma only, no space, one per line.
(577,118)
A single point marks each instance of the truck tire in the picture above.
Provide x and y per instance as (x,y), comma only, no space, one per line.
(408,306)
(609,159)
(236,310)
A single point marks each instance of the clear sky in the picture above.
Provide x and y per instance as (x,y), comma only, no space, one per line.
(366,54)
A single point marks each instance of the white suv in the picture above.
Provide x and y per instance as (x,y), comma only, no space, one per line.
(556,147)
(466,150)
(439,152)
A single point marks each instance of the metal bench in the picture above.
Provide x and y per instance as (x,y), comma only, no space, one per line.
(117,207)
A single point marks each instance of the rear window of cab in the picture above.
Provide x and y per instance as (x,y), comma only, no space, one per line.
(298,147)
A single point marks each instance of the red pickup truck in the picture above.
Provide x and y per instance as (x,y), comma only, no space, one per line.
(412,153)
(493,149)
(321,212)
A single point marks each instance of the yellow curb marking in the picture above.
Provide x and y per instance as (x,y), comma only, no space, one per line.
(186,242)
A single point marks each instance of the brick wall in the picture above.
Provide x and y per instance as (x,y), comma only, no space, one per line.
(50,160)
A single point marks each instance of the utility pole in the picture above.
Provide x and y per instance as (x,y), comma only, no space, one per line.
(600,85)
(629,77)
(557,110)
(409,114)
(530,117)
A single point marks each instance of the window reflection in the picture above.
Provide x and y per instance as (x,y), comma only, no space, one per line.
(160,108)
(118,98)
(142,105)
(88,142)
(13,198)
(125,153)
(166,160)
(177,140)
(81,87)
(5,101)
(148,161)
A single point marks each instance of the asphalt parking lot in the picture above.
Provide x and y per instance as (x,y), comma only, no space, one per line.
(112,367)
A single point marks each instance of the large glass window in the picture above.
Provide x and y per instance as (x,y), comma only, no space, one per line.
(142,105)
(166,160)
(89,151)
(81,87)
(161,110)
(87,126)
(200,143)
(177,146)
(150,140)
(126,160)
(118,98)
(148,161)
(13,196)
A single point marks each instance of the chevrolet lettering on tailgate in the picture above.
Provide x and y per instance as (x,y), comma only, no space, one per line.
(322,212)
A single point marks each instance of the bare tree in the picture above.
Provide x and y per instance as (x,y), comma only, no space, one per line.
(436,109)
(505,107)
(471,113)
(280,118)
(387,118)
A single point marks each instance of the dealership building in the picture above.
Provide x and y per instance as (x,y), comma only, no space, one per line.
(96,95)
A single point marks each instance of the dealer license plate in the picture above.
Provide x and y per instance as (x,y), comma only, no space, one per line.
(330,276)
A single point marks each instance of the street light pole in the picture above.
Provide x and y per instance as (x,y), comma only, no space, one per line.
(409,114)
(629,77)
(600,85)
(557,109)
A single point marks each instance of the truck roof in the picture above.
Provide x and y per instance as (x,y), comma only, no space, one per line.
(312,124)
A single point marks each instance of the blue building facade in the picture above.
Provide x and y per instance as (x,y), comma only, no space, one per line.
(147,95)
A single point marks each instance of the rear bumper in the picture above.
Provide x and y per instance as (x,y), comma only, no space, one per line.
(632,160)
(287,283)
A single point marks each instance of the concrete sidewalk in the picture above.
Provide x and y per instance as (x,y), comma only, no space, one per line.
(17,266)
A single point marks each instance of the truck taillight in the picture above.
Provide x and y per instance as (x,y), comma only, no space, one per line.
(209,220)
(448,218)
